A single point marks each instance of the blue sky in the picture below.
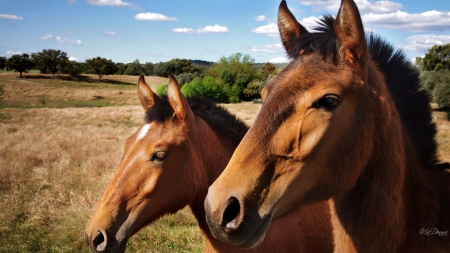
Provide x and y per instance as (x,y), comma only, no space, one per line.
(154,31)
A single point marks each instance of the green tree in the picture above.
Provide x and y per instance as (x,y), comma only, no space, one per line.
(50,60)
(121,67)
(437,58)
(176,67)
(267,70)
(149,69)
(72,68)
(19,63)
(3,62)
(134,69)
(441,91)
(236,64)
(101,66)
(235,73)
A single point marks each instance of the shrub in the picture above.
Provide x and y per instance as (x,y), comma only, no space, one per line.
(438,82)
(252,91)
(187,77)
(207,87)
(161,89)
(234,92)
(441,94)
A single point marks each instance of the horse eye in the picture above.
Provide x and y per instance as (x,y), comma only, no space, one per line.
(328,102)
(158,156)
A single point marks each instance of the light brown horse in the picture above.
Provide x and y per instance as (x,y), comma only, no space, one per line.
(170,162)
(345,121)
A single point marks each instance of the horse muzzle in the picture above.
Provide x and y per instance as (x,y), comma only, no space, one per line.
(235,221)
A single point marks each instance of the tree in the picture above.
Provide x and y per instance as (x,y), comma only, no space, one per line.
(72,68)
(176,67)
(437,58)
(121,67)
(101,66)
(19,63)
(50,60)
(441,91)
(149,69)
(134,69)
(235,64)
(235,73)
(267,70)
(3,62)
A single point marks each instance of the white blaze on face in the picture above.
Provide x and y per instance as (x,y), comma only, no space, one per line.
(143,131)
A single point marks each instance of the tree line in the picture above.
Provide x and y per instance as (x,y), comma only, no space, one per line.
(231,79)
(435,75)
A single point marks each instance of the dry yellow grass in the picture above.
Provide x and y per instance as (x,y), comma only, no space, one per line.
(443,136)
(37,90)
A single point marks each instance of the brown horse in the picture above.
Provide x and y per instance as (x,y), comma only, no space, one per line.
(346,122)
(170,162)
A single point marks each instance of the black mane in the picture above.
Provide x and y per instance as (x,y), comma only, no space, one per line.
(402,79)
(218,118)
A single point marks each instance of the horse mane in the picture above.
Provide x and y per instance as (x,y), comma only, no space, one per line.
(401,77)
(218,118)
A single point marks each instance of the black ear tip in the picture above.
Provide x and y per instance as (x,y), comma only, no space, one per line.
(141,79)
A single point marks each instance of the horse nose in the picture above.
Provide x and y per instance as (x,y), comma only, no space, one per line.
(232,216)
(99,241)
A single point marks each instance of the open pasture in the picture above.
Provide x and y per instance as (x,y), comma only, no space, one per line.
(60,146)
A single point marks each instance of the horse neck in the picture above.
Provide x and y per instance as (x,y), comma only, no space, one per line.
(374,206)
(387,195)
(213,153)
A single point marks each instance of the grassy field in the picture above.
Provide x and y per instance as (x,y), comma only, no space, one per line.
(61,141)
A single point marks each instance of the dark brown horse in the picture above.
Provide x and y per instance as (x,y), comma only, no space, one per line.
(170,162)
(345,121)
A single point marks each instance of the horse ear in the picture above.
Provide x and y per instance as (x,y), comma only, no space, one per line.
(289,27)
(350,32)
(146,95)
(177,100)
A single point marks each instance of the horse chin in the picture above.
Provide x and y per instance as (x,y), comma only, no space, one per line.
(257,237)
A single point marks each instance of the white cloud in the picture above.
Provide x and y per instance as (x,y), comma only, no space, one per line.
(364,6)
(421,43)
(207,29)
(262,18)
(60,40)
(430,21)
(110,33)
(118,3)
(72,1)
(73,59)
(13,52)
(46,37)
(279,60)
(8,16)
(213,29)
(270,30)
(269,49)
(153,17)
(183,30)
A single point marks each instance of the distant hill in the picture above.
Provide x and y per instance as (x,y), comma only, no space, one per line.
(201,63)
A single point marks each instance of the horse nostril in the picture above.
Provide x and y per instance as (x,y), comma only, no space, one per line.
(100,241)
(230,218)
